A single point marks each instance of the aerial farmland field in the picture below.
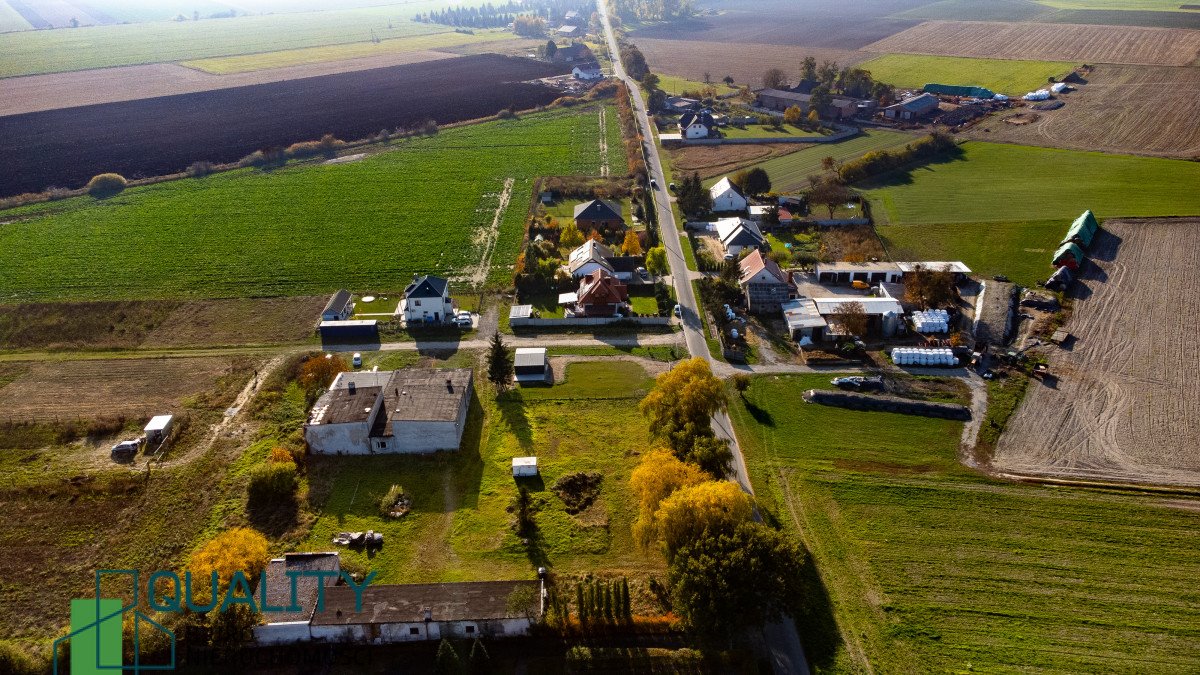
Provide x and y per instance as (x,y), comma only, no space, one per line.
(932,567)
(425,206)
(11,19)
(1002,76)
(790,172)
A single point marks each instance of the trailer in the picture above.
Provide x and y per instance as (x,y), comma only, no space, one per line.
(158,429)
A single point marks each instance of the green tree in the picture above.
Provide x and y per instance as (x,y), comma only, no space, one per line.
(500,363)
(479,661)
(626,607)
(570,236)
(656,261)
(723,581)
(793,115)
(741,382)
(692,197)
(581,603)
(650,81)
(711,454)
(755,181)
(820,99)
(551,49)
(852,316)
(808,69)
(681,404)
(828,74)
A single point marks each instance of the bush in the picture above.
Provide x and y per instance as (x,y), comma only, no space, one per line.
(272,481)
(394,501)
(14,660)
(201,168)
(106,185)
(882,161)
(506,114)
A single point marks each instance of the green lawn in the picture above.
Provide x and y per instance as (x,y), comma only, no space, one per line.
(790,172)
(365,225)
(766,131)
(675,86)
(52,51)
(1157,5)
(644,305)
(459,528)
(1019,250)
(995,182)
(931,568)
(1001,76)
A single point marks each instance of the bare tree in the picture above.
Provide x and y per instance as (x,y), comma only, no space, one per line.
(852,316)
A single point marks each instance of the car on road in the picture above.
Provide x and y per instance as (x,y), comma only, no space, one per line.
(672,187)
(463,319)
(643,273)
(356,360)
(858,382)
(678,311)
(653,184)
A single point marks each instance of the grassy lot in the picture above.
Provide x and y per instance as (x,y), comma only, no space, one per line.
(564,210)
(459,528)
(1019,250)
(655,352)
(644,305)
(225,65)
(765,131)
(996,182)
(1156,5)
(1001,76)
(675,86)
(255,233)
(53,51)
(930,567)
(790,172)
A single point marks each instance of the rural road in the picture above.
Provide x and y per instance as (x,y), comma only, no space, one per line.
(781,637)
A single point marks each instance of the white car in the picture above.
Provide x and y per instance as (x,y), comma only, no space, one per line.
(463,319)
(356,360)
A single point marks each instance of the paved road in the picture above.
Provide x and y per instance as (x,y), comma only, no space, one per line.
(787,652)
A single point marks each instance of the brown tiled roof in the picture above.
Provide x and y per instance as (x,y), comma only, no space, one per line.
(279,584)
(601,288)
(426,394)
(465,601)
(757,262)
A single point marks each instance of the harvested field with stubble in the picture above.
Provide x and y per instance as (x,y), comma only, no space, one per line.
(1122,402)
(69,390)
(746,62)
(717,160)
(1048,42)
(1129,109)
(239,322)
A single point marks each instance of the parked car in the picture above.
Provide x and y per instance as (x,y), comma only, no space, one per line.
(672,186)
(678,311)
(463,319)
(126,450)
(653,184)
(643,273)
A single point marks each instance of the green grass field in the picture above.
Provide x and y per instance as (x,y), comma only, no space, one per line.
(931,568)
(459,528)
(1019,250)
(225,65)
(763,131)
(1156,5)
(675,86)
(365,225)
(1001,76)
(52,51)
(11,19)
(790,172)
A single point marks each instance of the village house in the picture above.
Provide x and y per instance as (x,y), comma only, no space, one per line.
(588,72)
(737,234)
(339,307)
(412,612)
(576,52)
(588,258)
(601,294)
(601,215)
(427,300)
(727,197)
(765,286)
(696,124)
(568,31)
(680,105)
(912,108)
(413,410)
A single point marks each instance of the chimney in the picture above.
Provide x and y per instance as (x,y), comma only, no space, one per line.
(352,388)
(428,614)
(449,385)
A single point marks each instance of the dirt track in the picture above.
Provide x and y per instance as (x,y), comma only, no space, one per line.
(1131,109)
(1050,42)
(1123,404)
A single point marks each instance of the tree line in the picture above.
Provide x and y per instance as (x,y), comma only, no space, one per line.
(652,10)
(489,15)
(828,78)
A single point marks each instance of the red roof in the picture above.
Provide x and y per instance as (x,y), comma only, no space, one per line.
(757,262)
(601,288)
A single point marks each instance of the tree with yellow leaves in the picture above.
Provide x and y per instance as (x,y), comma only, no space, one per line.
(570,236)
(656,477)
(680,408)
(707,508)
(632,245)
(238,550)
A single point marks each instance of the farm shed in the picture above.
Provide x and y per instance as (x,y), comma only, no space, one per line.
(912,108)
(531,366)
(803,319)
(412,612)
(960,270)
(520,312)
(883,314)
(289,624)
(353,332)
(727,197)
(414,410)
(1082,230)
(1069,255)
(959,90)
(868,272)
(524,466)
(339,307)
(780,100)
(158,429)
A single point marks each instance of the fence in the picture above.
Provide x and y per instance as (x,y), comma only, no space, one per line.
(591,321)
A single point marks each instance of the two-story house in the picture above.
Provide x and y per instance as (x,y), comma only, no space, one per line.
(427,300)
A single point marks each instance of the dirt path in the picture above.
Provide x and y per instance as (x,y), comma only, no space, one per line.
(486,239)
(603,143)
(970,432)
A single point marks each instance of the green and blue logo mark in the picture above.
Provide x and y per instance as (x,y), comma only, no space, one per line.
(96,632)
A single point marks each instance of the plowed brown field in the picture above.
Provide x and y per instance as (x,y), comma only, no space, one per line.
(1122,403)
(1047,42)
(1134,109)
(69,390)
(746,62)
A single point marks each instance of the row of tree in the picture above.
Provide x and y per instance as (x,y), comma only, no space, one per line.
(826,79)
(652,10)
(489,15)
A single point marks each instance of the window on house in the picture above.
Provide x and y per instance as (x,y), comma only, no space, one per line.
(417,303)
(470,630)
(383,445)
(414,631)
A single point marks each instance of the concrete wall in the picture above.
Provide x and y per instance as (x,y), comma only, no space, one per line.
(433,630)
(351,633)
(330,439)
(843,133)
(423,437)
(283,633)
(590,321)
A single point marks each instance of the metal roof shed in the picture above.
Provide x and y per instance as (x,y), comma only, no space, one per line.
(158,428)
(520,311)
(524,466)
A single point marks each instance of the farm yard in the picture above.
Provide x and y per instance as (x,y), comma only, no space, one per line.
(1120,402)
(931,567)
(1049,42)
(460,527)
(1132,109)
(305,229)
(1013,77)
(163,136)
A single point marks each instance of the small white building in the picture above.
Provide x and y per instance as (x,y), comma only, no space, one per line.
(803,319)
(427,300)
(412,612)
(727,197)
(524,466)
(588,72)
(414,410)
(158,429)
(287,623)
(696,124)
(531,366)
(339,307)
(844,272)
(737,234)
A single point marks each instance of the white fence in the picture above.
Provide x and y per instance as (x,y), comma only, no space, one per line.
(590,321)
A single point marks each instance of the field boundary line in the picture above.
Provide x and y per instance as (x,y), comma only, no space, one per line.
(492,235)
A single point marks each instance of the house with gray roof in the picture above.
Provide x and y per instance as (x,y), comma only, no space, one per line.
(427,301)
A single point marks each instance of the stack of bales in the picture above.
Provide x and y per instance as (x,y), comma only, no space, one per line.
(931,321)
(915,356)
